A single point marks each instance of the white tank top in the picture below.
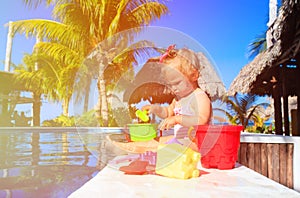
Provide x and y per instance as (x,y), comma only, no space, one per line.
(183,107)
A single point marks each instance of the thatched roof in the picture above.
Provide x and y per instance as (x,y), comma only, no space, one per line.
(8,83)
(259,76)
(148,84)
(210,80)
(9,89)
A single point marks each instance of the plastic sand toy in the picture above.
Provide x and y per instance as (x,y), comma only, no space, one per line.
(218,145)
(135,168)
(121,141)
(173,140)
(142,131)
(176,161)
(142,115)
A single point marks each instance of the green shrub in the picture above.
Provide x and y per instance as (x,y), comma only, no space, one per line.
(87,119)
(60,121)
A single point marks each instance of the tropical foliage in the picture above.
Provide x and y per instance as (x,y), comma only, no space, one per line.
(259,125)
(243,109)
(118,117)
(60,121)
(258,45)
(76,31)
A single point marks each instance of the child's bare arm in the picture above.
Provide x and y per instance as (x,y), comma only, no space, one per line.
(203,112)
(160,111)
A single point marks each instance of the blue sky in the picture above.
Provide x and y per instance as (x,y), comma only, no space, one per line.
(223,28)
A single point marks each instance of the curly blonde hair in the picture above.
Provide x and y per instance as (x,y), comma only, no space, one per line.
(189,62)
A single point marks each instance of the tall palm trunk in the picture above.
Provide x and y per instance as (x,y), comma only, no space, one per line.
(97,108)
(8,48)
(102,94)
(87,95)
(102,105)
(36,108)
(65,106)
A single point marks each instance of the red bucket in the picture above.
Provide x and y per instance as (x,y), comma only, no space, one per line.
(218,145)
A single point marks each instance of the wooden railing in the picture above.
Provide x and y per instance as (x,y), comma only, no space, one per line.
(274,161)
(276,157)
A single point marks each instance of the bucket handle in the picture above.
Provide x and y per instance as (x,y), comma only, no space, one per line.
(193,139)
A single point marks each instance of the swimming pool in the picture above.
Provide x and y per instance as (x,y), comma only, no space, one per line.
(51,162)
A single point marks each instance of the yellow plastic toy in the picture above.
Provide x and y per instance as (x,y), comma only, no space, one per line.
(177,161)
(142,115)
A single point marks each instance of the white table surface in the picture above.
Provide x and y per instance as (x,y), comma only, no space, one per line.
(238,182)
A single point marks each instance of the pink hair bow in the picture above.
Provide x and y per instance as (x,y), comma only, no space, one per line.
(170,48)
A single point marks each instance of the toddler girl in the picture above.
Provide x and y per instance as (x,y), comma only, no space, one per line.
(191,105)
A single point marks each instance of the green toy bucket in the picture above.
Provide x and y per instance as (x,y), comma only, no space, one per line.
(142,131)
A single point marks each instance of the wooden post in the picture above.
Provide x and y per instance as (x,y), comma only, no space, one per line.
(270,164)
(298,114)
(282,164)
(257,158)
(277,107)
(273,161)
(286,115)
(251,156)
(285,102)
(290,176)
(295,131)
(243,154)
(264,159)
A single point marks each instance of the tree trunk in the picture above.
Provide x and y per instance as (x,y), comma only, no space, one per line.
(36,109)
(97,108)
(87,96)
(8,48)
(36,106)
(102,105)
(65,106)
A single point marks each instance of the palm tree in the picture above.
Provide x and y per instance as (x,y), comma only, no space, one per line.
(81,24)
(260,43)
(259,122)
(257,46)
(241,109)
(36,81)
(57,70)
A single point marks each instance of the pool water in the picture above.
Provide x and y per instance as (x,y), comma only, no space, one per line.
(49,163)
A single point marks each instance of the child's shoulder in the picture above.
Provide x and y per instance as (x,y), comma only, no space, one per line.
(199,91)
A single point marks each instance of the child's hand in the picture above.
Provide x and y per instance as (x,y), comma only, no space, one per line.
(158,110)
(146,107)
(168,123)
(152,108)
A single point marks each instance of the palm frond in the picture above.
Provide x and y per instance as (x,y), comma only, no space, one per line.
(113,26)
(36,3)
(146,13)
(242,108)
(49,30)
(257,46)
(61,53)
(139,50)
